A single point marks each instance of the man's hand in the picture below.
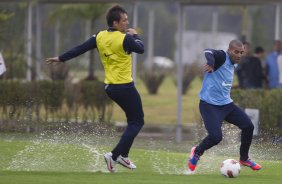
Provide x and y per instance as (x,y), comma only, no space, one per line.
(131,31)
(52,60)
(208,68)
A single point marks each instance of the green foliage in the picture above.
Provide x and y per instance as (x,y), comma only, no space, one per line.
(153,79)
(90,89)
(59,72)
(30,101)
(189,72)
(269,103)
(51,94)
(5,16)
(71,12)
(95,97)
(12,40)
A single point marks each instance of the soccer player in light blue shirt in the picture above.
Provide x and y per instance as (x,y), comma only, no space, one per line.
(217,106)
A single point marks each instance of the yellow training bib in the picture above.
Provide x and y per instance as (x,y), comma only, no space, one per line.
(117,63)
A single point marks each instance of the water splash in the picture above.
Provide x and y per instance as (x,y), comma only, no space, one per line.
(84,153)
(97,160)
(61,152)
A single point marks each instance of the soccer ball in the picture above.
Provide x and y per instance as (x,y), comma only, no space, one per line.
(230,168)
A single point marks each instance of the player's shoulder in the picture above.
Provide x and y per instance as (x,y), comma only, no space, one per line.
(212,51)
(128,36)
(216,53)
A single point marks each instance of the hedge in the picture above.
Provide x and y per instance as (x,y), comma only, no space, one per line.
(31,104)
(269,103)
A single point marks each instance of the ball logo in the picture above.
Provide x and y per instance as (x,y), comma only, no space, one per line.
(233,162)
(229,173)
(230,168)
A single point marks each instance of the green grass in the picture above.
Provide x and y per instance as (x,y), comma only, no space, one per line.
(71,159)
(162,108)
(134,177)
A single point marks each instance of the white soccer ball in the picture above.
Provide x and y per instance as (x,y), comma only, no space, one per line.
(230,168)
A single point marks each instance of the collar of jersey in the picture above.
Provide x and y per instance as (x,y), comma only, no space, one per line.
(111,29)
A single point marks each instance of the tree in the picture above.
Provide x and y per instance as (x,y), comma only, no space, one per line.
(12,39)
(5,16)
(90,12)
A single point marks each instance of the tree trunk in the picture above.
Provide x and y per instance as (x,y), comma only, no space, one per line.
(91,70)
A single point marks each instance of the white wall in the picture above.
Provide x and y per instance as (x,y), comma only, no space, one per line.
(194,42)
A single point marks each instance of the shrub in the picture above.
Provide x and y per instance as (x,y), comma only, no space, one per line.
(269,103)
(59,72)
(190,71)
(22,102)
(153,79)
(94,97)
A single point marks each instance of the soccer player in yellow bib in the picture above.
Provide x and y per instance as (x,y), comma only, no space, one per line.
(115,46)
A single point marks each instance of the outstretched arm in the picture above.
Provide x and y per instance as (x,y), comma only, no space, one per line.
(74,52)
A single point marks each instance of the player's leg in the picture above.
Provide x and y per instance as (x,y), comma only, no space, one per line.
(129,100)
(213,117)
(241,120)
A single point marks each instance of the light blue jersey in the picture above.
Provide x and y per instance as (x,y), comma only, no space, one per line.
(217,85)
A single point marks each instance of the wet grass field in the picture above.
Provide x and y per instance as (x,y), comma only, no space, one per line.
(74,158)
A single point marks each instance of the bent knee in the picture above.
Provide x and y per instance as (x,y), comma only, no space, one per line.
(249,126)
(216,138)
(139,122)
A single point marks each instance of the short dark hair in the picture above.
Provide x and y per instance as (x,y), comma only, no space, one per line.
(259,49)
(114,15)
(246,43)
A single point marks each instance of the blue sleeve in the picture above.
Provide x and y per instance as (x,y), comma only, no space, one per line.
(133,44)
(80,49)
